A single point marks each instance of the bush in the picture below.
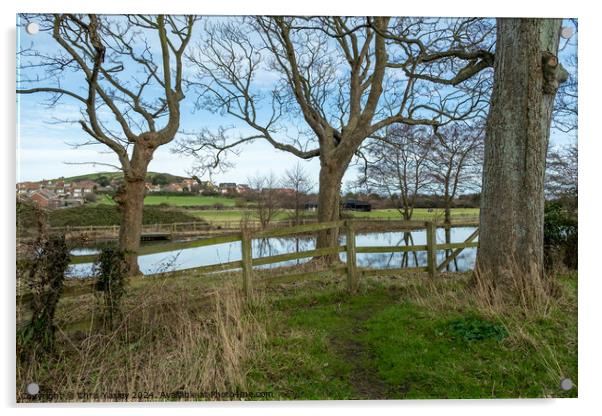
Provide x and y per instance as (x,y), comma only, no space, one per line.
(110,270)
(42,271)
(240,203)
(109,215)
(474,328)
(560,237)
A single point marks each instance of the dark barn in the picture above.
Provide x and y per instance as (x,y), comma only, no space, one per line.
(354,205)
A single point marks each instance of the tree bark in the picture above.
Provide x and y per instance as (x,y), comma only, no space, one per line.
(332,170)
(130,201)
(517,135)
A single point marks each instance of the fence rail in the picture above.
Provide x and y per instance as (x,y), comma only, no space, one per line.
(459,220)
(350,267)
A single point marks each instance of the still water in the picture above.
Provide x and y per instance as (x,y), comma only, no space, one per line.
(219,253)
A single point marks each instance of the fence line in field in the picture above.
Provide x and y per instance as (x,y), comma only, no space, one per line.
(349,227)
(214,225)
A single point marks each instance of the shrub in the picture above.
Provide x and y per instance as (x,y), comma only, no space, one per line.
(240,203)
(109,215)
(110,270)
(560,236)
(42,271)
(473,328)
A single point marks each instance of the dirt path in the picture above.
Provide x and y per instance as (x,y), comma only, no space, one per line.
(364,377)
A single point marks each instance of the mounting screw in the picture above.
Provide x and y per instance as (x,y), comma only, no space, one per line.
(566,32)
(32,28)
(33,389)
(566,384)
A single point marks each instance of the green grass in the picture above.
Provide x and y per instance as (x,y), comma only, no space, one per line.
(400,337)
(177,200)
(190,200)
(386,343)
(419,213)
(237,214)
(234,215)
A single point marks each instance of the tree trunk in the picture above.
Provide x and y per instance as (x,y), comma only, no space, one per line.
(130,201)
(329,200)
(518,128)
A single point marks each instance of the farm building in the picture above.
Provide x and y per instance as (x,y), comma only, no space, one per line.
(354,205)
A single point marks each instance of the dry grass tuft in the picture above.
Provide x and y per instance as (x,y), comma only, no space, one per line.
(514,289)
(165,343)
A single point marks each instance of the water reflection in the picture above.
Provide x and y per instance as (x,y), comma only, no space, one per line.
(221,253)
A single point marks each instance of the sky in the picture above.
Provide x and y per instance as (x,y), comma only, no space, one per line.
(46,138)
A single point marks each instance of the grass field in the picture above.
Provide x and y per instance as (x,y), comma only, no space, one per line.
(237,214)
(399,337)
(419,214)
(178,200)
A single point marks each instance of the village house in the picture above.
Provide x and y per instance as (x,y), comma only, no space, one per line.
(207,186)
(242,188)
(81,188)
(27,188)
(45,198)
(73,202)
(227,188)
(173,187)
(152,188)
(188,183)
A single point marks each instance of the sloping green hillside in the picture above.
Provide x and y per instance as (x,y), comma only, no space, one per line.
(118,175)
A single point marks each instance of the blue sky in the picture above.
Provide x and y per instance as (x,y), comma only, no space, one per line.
(44,147)
(45,142)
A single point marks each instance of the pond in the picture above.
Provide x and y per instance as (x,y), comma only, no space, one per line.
(172,260)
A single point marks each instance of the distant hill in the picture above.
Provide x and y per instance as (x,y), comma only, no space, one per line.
(118,175)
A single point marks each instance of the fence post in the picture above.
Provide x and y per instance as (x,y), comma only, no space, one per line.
(247,261)
(352,282)
(431,244)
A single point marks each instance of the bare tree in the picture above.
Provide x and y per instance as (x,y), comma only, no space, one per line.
(336,82)
(129,91)
(566,108)
(455,165)
(455,162)
(397,165)
(527,77)
(266,197)
(562,174)
(298,180)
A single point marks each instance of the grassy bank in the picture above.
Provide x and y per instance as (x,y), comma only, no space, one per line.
(400,337)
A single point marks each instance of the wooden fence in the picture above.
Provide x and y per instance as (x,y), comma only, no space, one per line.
(348,227)
(234,225)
